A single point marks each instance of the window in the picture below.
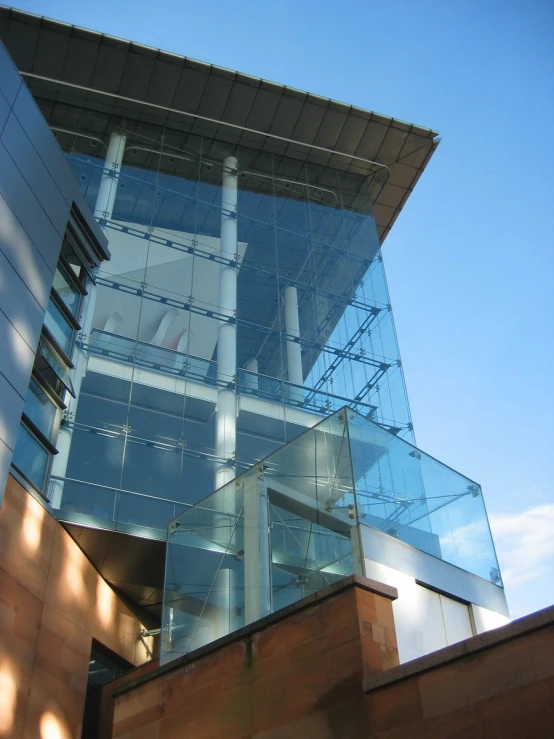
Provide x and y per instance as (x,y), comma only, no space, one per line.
(59,326)
(31,458)
(40,409)
(67,289)
(51,378)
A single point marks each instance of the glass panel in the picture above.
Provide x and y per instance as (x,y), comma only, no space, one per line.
(223,571)
(40,409)
(417,499)
(302,493)
(66,291)
(30,457)
(59,327)
(52,367)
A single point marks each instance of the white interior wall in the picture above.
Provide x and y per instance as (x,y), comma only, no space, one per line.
(425,620)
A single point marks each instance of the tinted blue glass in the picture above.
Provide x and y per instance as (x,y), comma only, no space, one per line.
(59,327)
(30,457)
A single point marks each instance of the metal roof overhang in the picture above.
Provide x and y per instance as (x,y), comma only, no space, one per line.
(167,88)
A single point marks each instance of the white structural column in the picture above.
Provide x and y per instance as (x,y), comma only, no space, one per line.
(223,603)
(103,209)
(110,177)
(226,421)
(257,550)
(292,328)
(251,379)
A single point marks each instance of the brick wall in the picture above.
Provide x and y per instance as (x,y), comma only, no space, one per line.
(52,604)
(298,673)
(498,685)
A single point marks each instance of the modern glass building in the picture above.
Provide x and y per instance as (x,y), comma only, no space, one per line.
(242,320)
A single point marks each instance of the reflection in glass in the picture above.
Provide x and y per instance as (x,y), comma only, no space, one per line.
(59,326)
(30,457)
(224,571)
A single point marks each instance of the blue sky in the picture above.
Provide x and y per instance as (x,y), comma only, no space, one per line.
(470,261)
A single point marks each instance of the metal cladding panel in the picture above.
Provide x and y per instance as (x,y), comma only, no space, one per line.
(137,75)
(10,81)
(108,71)
(352,133)
(44,142)
(239,103)
(330,128)
(21,41)
(51,53)
(16,365)
(402,175)
(309,121)
(262,111)
(19,304)
(26,209)
(392,196)
(190,89)
(81,61)
(10,412)
(36,175)
(4,111)
(215,96)
(286,116)
(163,83)
(372,139)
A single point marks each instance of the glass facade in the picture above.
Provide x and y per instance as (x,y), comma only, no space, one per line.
(245,299)
(290,526)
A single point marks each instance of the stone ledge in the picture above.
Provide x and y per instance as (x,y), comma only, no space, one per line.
(371,586)
(534,622)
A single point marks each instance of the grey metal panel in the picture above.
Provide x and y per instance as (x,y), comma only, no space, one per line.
(28,210)
(51,52)
(35,173)
(23,255)
(19,305)
(16,363)
(431,571)
(11,409)
(43,140)
(136,75)
(164,82)
(108,71)
(10,81)
(331,128)
(4,111)
(81,58)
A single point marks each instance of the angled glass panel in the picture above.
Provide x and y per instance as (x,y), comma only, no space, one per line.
(285,528)
(415,498)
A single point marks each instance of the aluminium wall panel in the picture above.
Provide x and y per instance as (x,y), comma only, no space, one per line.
(10,412)
(27,210)
(44,142)
(35,173)
(19,304)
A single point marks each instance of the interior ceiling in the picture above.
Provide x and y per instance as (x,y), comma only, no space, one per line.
(153,87)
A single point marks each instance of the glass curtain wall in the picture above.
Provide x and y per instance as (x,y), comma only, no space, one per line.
(299,520)
(206,352)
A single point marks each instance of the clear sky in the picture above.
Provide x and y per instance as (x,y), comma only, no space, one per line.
(470,261)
